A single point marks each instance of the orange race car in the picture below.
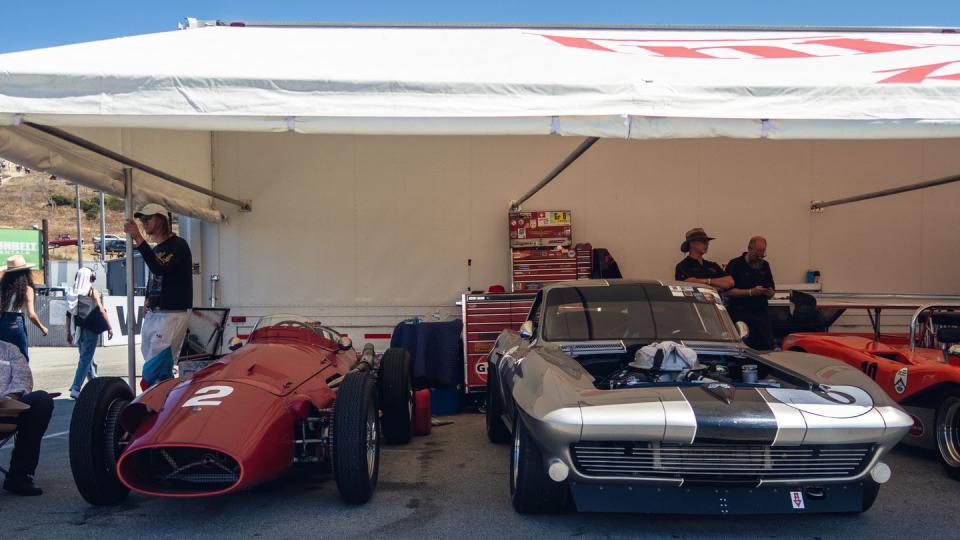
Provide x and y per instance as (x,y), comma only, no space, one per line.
(920,369)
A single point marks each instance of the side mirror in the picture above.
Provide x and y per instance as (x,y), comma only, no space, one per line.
(743,329)
(345,343)
(235,343)
(948,335)
(526,330)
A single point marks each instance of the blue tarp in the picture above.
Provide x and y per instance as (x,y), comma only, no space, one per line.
(436,351)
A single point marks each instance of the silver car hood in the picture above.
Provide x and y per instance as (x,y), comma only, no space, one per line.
(845,407)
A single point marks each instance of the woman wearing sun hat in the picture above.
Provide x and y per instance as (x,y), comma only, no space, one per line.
(16,296)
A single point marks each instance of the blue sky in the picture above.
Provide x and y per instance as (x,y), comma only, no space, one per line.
(45,23)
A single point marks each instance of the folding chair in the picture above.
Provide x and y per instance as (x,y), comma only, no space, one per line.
(10,409)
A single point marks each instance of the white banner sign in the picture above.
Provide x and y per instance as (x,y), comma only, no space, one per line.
(116,307)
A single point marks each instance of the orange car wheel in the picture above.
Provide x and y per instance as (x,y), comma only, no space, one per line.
(948,435)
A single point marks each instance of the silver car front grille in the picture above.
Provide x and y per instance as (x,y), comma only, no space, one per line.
(718,462)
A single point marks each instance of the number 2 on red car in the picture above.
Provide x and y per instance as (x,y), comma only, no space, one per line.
(208,396)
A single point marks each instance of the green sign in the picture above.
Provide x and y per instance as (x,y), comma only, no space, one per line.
(20,242)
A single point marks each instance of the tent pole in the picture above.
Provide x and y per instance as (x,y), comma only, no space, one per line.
(820,205)
(584,146)
(45,251)
(120,158)
(79,232)
(103,230)
(131,314)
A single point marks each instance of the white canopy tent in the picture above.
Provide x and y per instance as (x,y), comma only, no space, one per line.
(656,83)
(607,83)
(630,83)
(604,83)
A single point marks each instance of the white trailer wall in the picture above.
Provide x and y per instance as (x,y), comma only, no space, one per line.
(355,221)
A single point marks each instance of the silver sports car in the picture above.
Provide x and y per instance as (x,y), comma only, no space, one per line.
(632,396)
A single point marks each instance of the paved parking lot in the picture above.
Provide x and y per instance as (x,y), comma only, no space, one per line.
(450,484)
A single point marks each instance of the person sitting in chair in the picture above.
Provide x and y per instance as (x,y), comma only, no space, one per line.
(16,390)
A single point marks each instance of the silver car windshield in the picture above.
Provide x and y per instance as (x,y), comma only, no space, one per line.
(636,312)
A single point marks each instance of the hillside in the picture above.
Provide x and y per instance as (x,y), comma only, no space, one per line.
(27,198)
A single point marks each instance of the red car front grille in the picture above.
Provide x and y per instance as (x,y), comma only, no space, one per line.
(180,470)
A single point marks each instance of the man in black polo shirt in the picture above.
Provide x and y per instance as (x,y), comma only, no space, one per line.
(753,286)
(695,269)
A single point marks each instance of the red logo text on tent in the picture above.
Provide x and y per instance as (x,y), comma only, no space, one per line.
(771,49)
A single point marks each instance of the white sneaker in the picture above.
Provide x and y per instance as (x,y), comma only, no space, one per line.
(74,394)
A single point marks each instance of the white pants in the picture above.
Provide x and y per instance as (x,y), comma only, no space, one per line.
(162,330)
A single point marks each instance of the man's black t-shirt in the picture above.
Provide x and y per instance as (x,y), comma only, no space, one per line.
(691,268)
(171,268)
(748,277)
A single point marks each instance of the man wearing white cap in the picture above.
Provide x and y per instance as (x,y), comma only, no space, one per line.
(169,295)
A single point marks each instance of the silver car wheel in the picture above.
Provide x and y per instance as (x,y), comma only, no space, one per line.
(372,441)
(948,435)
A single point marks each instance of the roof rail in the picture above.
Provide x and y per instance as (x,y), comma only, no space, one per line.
(191,22)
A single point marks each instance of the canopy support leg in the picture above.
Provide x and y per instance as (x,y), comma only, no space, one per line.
(820,205)
(580,150)
(131,313)
(103,230)
(79,231)
(120,158)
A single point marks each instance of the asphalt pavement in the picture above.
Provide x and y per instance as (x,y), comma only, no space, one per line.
(450,484)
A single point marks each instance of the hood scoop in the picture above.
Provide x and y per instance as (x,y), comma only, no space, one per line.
(722,391)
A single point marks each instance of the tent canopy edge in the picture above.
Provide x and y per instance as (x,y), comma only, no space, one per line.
(603,127)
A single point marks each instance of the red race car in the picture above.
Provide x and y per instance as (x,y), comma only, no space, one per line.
(296,394)
(919,368)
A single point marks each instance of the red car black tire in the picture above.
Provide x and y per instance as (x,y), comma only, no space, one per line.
(356,434)
(95,436)
(396,396)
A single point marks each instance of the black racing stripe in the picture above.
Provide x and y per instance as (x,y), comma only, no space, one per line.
(745,419)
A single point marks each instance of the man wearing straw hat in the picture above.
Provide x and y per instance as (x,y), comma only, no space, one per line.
(169,294)
(694,268)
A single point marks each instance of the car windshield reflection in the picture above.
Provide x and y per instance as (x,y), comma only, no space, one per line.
(307,322)
(636,312)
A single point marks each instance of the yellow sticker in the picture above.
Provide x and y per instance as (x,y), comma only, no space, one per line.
(559,218)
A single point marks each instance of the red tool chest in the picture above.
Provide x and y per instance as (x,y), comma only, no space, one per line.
(584,261)
(535,267)
(484,317)
(540,250)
